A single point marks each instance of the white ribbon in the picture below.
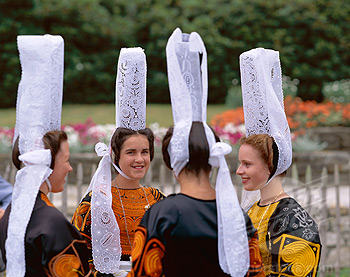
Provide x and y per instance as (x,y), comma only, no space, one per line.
(28,182)
(233,245)
(105,233)
(217,152)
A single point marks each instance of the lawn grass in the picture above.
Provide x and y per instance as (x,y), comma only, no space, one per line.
(105,113)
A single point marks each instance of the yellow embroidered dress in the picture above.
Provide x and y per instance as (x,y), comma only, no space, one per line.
(289,240)
(134,204)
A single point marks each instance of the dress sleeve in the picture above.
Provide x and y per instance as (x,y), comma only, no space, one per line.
(256,267)
(294,241)
(5,193)
(82,221)
(70,262)
(62,250)
(149,243)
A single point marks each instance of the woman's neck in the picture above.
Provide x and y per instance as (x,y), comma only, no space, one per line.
(197,186)
(124,183)
(44,188)
(272,192)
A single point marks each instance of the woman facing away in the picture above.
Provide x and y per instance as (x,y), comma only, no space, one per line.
(53,247)
(289,240)
(132,152)
(179,235)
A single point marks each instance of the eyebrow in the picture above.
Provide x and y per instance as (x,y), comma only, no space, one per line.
(133,149)
(245,161)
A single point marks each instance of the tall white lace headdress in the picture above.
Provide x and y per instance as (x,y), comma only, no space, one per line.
(131,114)
(263,107)
(39,105)
(188,83)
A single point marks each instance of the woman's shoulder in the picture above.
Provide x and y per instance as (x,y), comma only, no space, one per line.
(164,213)
(165,207)
(52,222)
(290,217)
(85,203)
(289,206)
(157,193)
(87,198)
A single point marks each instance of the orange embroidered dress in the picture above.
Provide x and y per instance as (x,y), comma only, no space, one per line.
(134,204)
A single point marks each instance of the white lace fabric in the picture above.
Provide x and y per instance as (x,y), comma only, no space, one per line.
(263,107)
(106,249)
(131,114)
(188,84)
(39,104)
(131,89)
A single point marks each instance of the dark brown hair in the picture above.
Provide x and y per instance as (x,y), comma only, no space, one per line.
(122,134)
(52,140)
(267,149)
(198,148)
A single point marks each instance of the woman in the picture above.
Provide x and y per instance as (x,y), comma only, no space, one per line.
(132,152)
(52,245)
(111,210)
(200,232)
(36,239)
(179,235)
(288,237)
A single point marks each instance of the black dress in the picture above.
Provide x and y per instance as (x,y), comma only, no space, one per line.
(289,240)
(178,237)
(53,246)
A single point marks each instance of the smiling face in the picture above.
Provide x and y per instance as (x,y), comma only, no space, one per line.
(252,169)
(135,158)
(61,168)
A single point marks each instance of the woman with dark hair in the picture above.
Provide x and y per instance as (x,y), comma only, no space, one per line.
(112,209)
(179,235)
(52,245)
(289,240)
(200,231)
(132,152)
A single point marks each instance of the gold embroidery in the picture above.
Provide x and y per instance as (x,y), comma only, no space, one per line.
(138,245)
(153,262)
(64,264)
(255,214)
(301,255)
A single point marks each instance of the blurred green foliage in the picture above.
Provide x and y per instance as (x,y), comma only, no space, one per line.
(338,91)
(313,38)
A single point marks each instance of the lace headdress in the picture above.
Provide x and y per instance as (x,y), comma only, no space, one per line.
(39,105)
(263,107)
(188,84)
(131,114)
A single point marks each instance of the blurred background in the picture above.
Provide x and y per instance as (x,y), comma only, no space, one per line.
(313,38)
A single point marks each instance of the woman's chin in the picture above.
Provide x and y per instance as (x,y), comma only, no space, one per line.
(250,188)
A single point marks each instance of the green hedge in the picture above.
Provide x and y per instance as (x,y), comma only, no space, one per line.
(313,38)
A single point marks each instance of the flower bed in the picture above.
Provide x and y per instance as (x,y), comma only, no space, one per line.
(229,125)
(300,115)
(82,137)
